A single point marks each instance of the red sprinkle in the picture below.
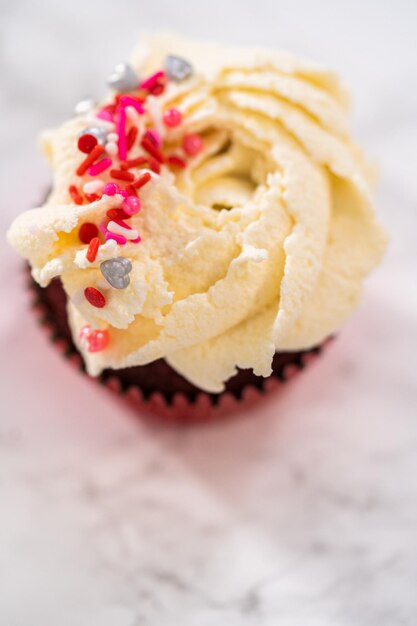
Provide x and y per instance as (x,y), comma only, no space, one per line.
(176,161)
(93,249)
(117,214)
(75,194)
(92,197)
(154,165)
(95,153)
(141,181)
(157,89)
(94,297)
(87,232)
(131,136)
(87,142)
(148,145)
(131,190)
(122,175)
(126,165)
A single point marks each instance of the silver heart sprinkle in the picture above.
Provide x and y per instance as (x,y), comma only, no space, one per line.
(177,68)
(116,271)
(100,133)
(123,78)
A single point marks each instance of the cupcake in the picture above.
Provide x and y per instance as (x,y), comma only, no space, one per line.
(209,224)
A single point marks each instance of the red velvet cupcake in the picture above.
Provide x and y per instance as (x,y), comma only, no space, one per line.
(208,228)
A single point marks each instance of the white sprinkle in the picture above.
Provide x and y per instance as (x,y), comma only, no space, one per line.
(129,233)
(92,186)
(112,148)
(112,137)
(155,112)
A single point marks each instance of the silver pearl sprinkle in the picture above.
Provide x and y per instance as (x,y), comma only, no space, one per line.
(100,133)
(116,272)
(177,68)
(123,78)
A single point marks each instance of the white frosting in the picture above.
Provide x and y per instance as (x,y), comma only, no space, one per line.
(279,268)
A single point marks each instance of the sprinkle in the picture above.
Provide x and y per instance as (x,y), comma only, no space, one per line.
(128,101)
(93,186)
(110,189)
(94,297)
(192,144)
(131,205)
(120,227)
(172,118)
(141,181)
(112,137)
(84,106)
(86,143)
(111,148)
(131,190)
(122,175)
(75,194)
(121,131)
(154,137)
(157,89)
(116,271)
(176,161)
(93,249)
(99,167)
(99,132)
(123,193)
(156,113)
(153,80)
(118,238)
(148,145)
(123,78)
(177,68)
(87,232)
(92,197)
(117,214)
(89,160)
(127,165)
(154,165)
(131,136)
(93,340)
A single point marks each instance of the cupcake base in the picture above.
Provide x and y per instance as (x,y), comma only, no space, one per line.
(156,388)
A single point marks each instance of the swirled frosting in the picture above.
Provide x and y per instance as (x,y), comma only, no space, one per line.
(261,243)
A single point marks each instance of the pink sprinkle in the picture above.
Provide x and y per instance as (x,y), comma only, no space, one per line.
(127,101)
(137,240)
(121,131)
(192,144)
(172,118)
(123,193)
(153,136)
(118,238)
(131,205)
(103,227)
(110,189)
(105,115)
(99,167)
(150,82)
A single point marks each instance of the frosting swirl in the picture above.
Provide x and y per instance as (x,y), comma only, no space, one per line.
(261,243)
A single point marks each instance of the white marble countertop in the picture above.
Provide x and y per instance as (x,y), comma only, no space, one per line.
(302,512)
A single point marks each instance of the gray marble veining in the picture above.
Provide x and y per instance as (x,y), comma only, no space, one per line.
(302,512)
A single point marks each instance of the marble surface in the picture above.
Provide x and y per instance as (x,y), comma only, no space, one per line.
(302,512)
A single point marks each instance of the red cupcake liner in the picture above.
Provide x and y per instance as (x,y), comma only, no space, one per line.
(178,407)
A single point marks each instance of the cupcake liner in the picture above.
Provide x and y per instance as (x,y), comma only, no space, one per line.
(189,405)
